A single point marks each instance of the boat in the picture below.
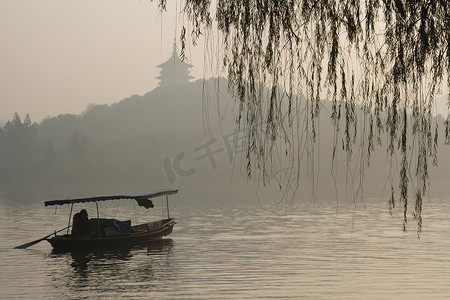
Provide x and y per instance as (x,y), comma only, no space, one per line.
(110,233)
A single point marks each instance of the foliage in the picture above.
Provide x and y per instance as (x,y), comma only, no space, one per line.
(381,63)
(123,141)
(18,143)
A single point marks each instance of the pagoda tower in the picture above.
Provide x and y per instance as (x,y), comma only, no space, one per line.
(174,72)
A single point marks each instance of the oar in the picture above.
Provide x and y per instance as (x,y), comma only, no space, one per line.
(24,246)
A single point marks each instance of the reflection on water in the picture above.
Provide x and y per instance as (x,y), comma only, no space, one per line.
(127,272)
(82,259)
(226,249)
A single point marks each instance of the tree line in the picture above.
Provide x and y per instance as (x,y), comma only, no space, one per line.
(127,140)
(24,156)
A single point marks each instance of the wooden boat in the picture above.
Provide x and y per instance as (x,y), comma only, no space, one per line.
(110,233)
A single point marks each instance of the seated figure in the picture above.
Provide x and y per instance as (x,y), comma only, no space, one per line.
(81,225)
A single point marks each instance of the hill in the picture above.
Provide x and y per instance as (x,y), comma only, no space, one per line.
(182,131)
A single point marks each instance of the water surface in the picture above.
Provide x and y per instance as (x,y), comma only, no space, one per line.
(229,248)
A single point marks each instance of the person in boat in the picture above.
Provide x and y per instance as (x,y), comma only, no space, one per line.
(81,224)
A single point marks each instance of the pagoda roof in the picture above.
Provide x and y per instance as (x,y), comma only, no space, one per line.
(174,60)
(174,71)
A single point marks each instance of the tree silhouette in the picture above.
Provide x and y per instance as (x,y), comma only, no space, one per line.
(16,121)
(27,121)
(381,63)
(18,148)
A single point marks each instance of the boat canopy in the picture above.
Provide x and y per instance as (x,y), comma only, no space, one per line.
(143,199)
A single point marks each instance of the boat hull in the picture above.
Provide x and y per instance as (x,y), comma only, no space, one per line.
(151,233)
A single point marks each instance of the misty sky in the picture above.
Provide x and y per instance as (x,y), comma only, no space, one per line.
(58,56)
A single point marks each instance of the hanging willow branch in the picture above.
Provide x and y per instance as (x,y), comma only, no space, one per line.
(388,58)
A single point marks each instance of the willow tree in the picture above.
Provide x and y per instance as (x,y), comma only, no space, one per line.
(381,63)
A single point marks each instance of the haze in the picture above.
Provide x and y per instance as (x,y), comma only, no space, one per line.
(59,56)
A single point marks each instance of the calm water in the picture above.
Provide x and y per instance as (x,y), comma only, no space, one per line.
(229,248)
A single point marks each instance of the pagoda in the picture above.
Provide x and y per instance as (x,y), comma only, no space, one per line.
(174,72)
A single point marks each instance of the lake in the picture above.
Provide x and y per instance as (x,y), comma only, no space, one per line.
(229,244)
